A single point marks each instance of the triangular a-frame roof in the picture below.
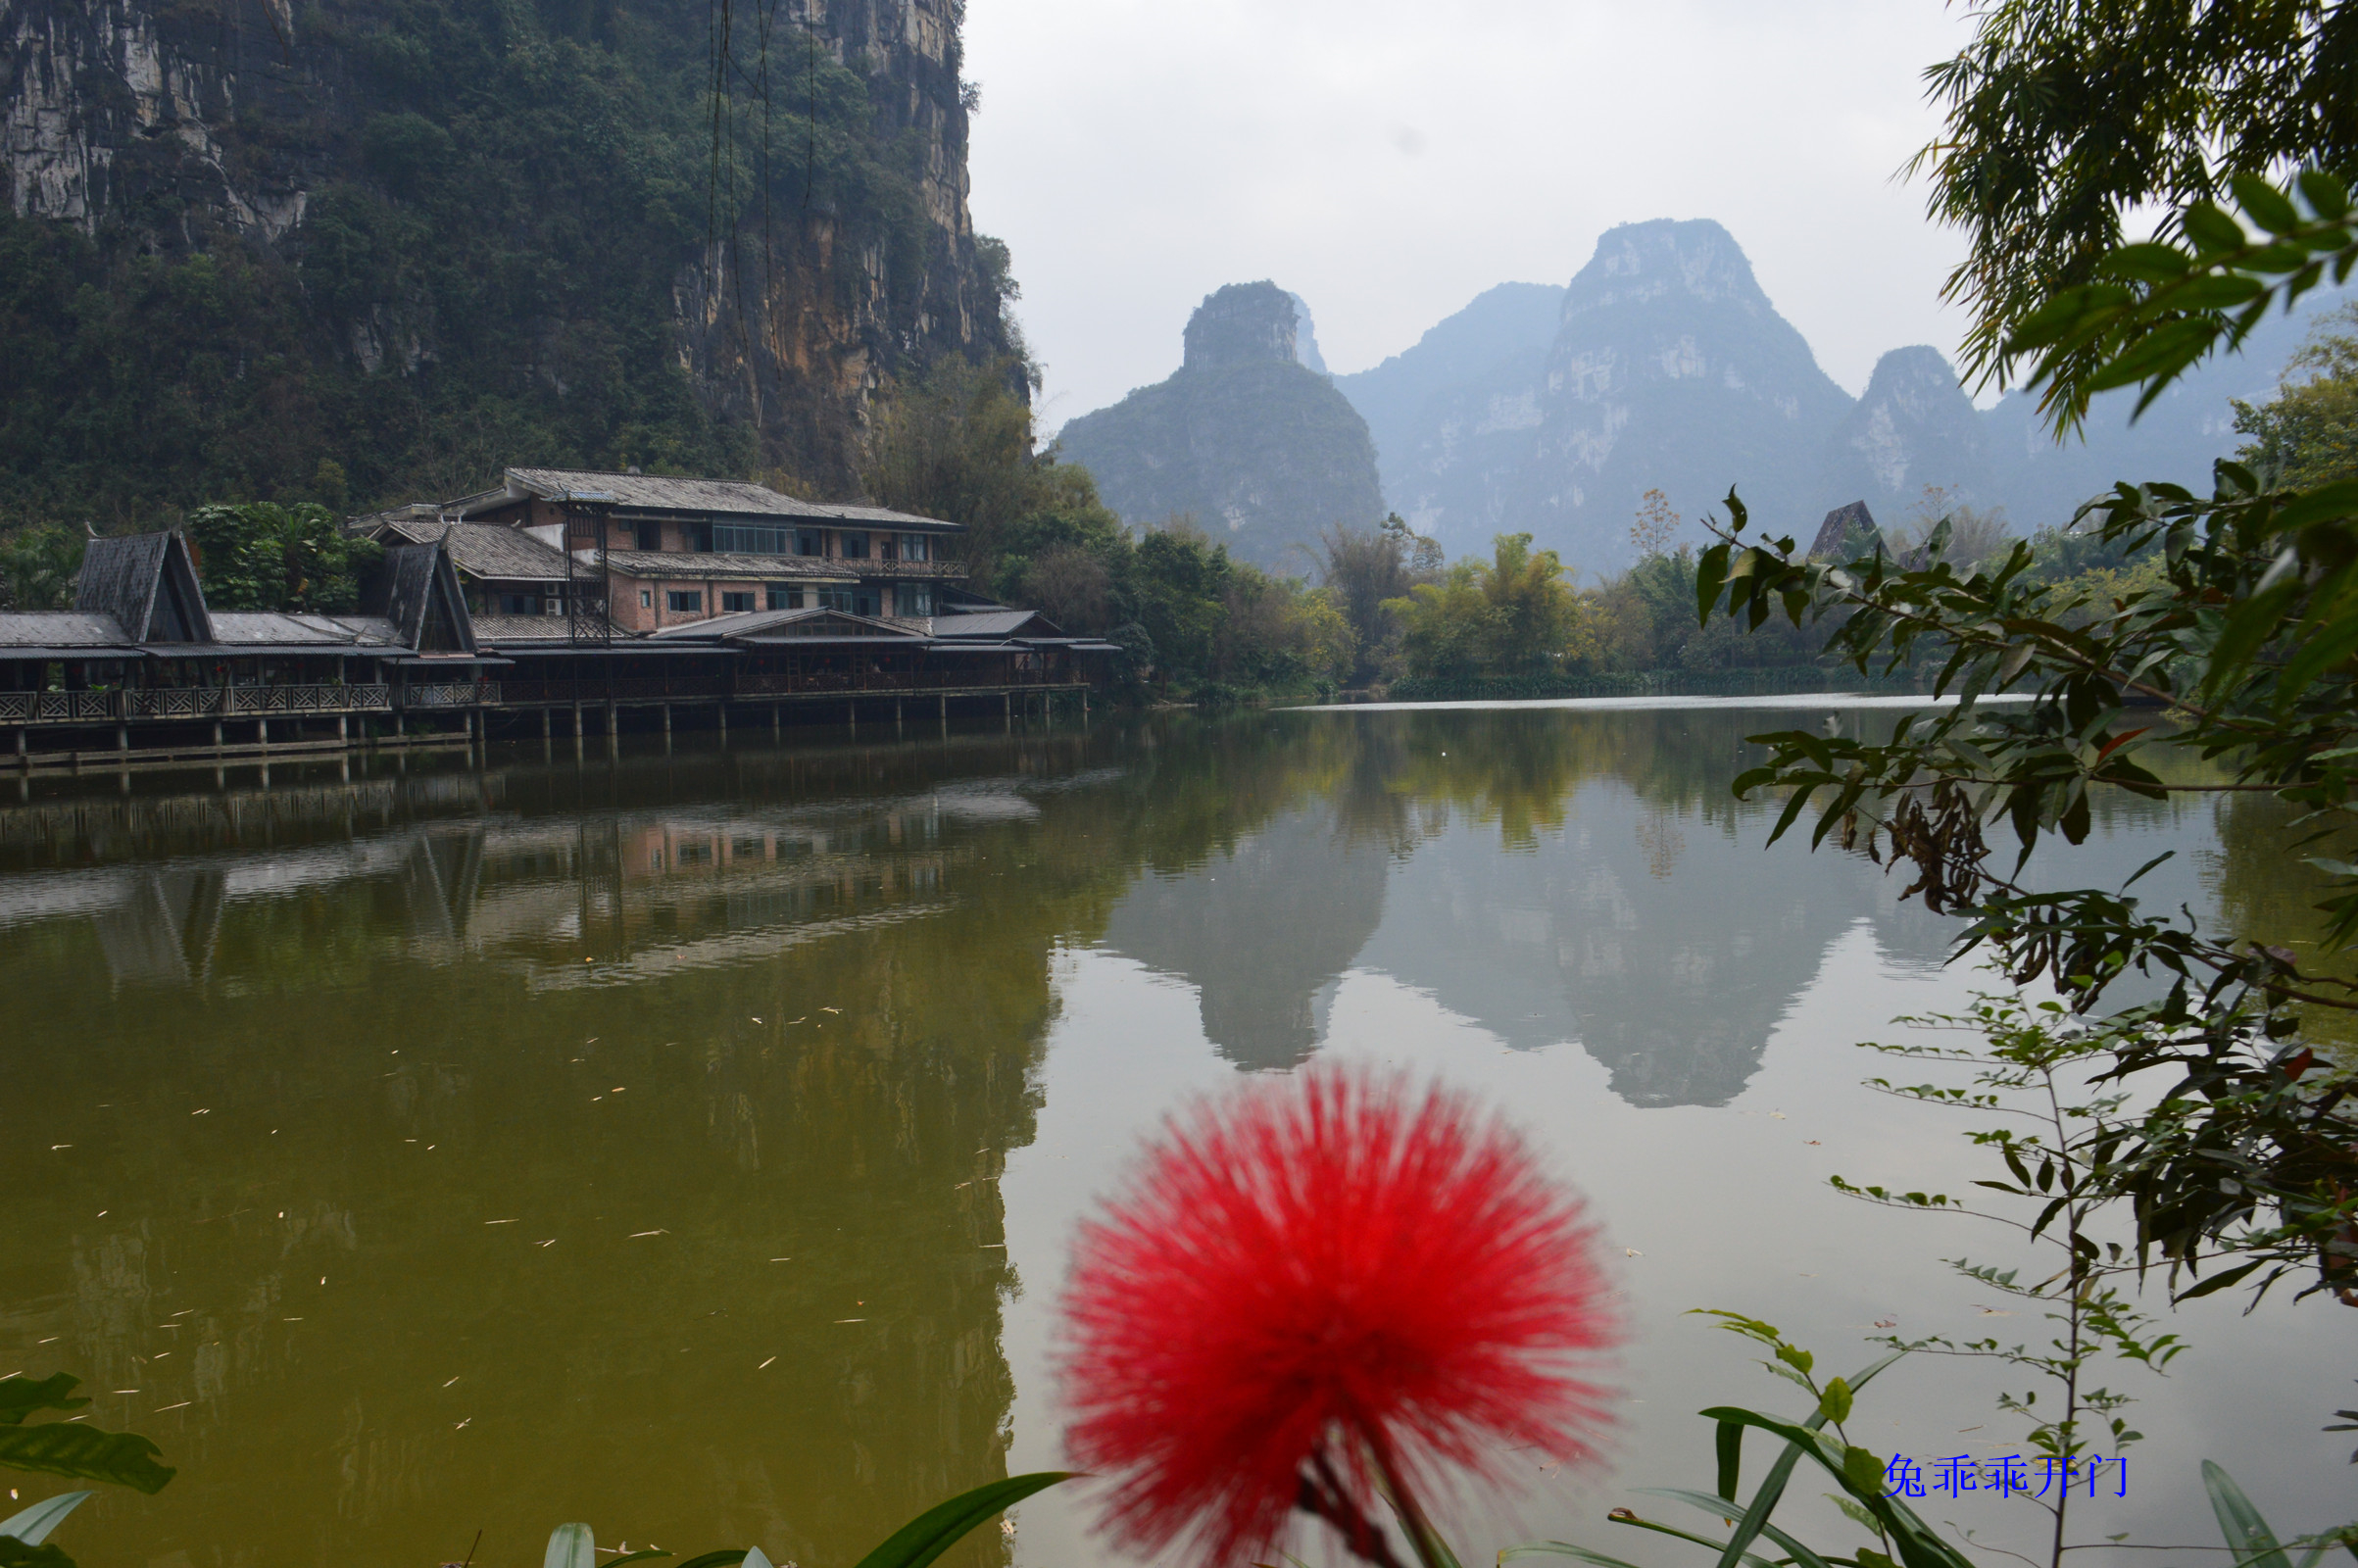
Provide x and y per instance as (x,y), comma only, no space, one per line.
(148,583)
(424,600)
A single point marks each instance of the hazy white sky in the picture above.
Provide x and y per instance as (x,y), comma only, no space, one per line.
(1388,160)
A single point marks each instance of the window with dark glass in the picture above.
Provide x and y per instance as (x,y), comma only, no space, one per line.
(684,600)
(915,547)
(736,603)
(746,540)
(651,536)
(782,596)
(853,546)
(810,542)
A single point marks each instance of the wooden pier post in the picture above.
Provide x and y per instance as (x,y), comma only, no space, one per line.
(854,706)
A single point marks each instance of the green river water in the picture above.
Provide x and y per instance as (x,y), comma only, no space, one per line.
(690,1142)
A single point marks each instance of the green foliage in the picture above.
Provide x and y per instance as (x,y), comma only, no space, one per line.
(61,1448)
(1513,615)
(2066,1150)
(2063,116)
(1898,1533)
(38,564)
(1367,568)
(2307,434)
(488,273)
(2246,638)
(261,555)
(2151,310)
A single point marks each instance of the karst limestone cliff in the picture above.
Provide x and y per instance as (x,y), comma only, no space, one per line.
(411,239)
(1260,450)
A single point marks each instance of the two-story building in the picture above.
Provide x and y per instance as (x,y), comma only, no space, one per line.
(666,551)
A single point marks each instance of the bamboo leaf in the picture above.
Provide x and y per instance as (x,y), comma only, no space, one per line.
(2254,1543)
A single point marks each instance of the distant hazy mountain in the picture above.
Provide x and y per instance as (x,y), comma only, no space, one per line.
(1664,364)
(1452,417)
(1671,370)
(1914,427)
(1254,444)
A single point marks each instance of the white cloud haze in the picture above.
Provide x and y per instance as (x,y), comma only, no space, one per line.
(1389,160)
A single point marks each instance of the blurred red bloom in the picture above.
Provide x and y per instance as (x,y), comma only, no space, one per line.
(1315,1280)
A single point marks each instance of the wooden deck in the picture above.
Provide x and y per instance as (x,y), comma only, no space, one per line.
(109,730)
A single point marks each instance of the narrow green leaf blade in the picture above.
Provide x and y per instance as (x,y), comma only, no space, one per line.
(935,1531)
(33,1525)
(1729,1442)
(2254,1543)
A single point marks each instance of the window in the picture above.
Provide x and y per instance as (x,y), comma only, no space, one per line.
(853,546)
(518,603)
(684,600)
(736,603)
(836,599)
(740,539)
(651,536)
(917,599)
(810,542)
(782,596)
(646,599)
(915,547)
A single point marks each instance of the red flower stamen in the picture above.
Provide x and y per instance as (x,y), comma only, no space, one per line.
(1320,1287)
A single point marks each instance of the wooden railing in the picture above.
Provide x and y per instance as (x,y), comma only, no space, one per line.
(451,694)
(190,702)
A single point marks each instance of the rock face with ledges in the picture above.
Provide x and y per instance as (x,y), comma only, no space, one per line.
(1260,450)
(1914,429)
(1670,370)
(1452,415)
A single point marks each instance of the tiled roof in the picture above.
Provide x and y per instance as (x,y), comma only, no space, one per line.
(687,566)
(486,549)
(245,628)
(655,492)
(993,623)
(59,628)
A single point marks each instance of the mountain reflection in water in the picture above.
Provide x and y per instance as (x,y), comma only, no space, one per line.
(460,1147)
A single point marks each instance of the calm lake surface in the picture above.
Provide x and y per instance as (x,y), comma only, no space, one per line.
(691,1143)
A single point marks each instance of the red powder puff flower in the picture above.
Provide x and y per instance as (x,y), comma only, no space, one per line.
(1317,1286)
